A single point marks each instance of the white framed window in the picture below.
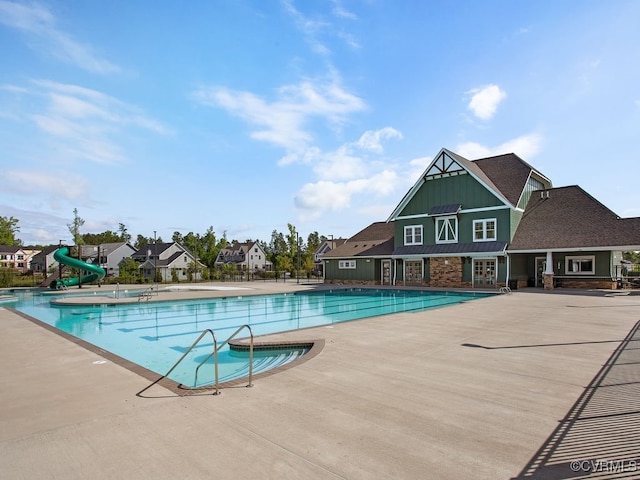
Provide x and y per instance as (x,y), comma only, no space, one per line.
(484,230)
(413,235)
(342,264)
(582,265)
(447,229)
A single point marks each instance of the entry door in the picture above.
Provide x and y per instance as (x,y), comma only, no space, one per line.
(541,267)
(484,273)
(386,272)
(412,272)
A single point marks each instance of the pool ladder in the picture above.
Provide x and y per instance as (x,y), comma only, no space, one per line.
(148,293)
(213,354)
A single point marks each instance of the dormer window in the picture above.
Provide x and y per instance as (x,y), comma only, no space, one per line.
(447,229)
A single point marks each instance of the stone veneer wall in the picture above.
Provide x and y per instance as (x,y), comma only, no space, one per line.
(586,283)
(446,272)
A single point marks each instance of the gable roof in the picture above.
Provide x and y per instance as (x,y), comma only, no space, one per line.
(238,248)
(374,240)
(154,248)
(503,175)
(509,173)
(329,244)
(569,218)
(108,248)
(10,248)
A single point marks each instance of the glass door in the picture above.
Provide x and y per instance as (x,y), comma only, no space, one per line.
(413,272)
(386,272)
(541,267)
(484,273)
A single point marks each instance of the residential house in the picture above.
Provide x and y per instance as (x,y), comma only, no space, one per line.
(325,247)
(486,223)
(16,258)
(43,263)
(111,254)
(248,257)
(169,261)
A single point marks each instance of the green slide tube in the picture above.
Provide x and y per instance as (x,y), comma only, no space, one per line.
(62,256)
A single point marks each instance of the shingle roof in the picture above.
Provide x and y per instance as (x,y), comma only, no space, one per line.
(374,240)
(475,169)
(509,173)
(568,217)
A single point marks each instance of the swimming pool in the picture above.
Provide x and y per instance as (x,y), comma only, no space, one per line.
(154,335)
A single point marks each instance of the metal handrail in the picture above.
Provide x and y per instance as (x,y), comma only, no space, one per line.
(147,293)
(215,357)
(208,330)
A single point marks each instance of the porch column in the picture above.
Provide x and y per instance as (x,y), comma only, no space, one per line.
(548,273)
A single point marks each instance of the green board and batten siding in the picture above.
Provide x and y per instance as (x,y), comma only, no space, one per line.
(463,189)
(456,189)
(366,268)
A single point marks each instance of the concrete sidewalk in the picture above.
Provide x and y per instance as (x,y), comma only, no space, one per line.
(468,391)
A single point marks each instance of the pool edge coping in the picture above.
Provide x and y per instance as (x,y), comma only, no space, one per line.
(315,347)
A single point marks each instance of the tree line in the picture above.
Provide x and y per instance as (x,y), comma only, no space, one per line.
(287,251)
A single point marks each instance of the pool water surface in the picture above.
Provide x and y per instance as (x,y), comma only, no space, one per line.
(155,335)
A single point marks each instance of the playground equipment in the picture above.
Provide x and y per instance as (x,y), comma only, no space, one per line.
(62,256)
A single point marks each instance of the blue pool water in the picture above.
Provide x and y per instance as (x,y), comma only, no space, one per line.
(155,335)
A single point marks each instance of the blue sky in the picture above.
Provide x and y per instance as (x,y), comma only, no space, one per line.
(249,115)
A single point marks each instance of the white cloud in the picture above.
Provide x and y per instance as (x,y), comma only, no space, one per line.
(526,146)
(31,182)
(283,121)
(417,167)
(484,101)
(370,140)
(323,196)
(313,28)
(342,172)
(339,11)
(39,23)
(84,123)
(347,161)
(339,165)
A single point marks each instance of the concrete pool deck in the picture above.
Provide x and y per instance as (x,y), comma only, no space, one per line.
(498,388)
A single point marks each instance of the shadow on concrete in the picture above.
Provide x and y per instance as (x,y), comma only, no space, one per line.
(475,345)
(598,438)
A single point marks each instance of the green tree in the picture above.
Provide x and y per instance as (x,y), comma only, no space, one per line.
(296,246)
(191,241)
(141,241)
(6,277)
(99,238)
(124,235)
(284,263)
(8,230)
(313,243)
(129,271)
(209,248)
(277,246)
(74,228)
